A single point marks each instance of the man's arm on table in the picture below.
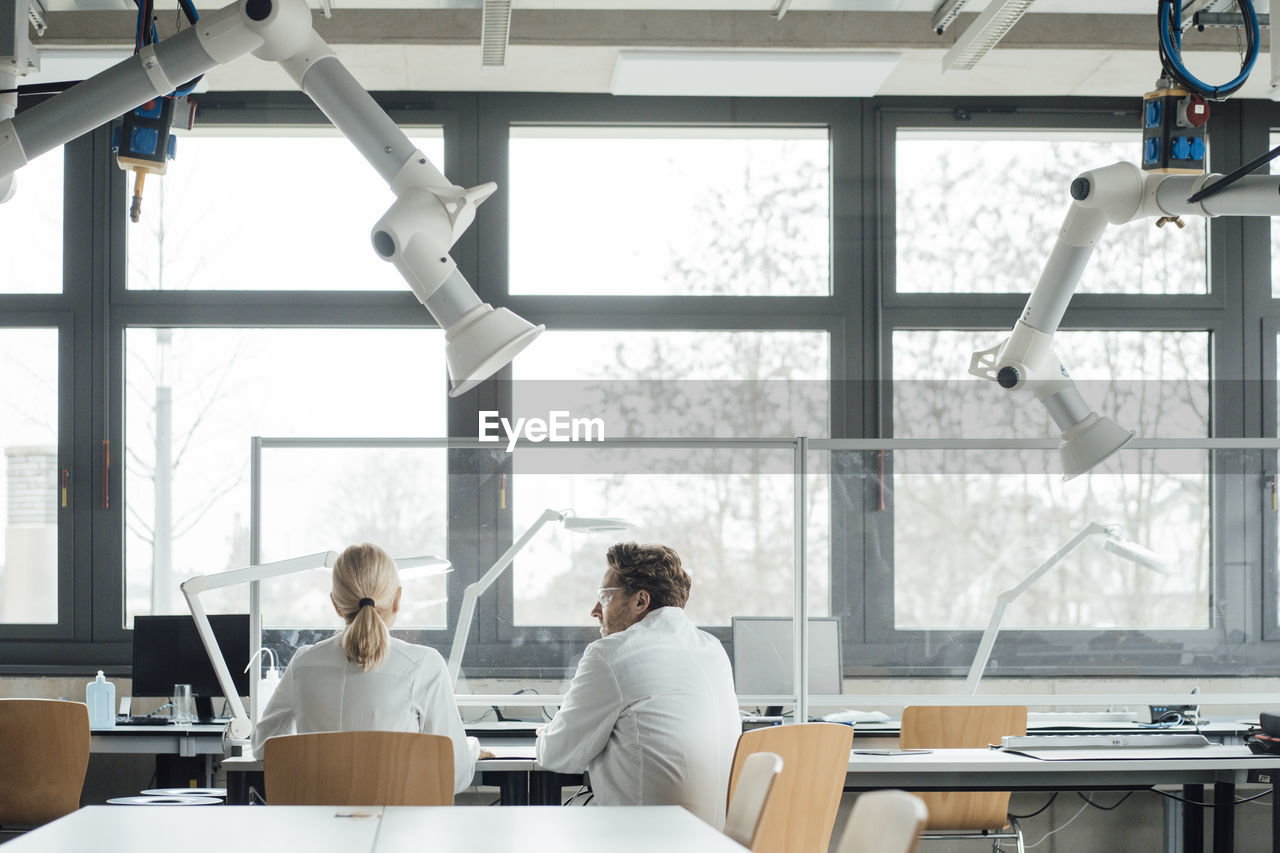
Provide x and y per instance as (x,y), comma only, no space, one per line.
(581,728)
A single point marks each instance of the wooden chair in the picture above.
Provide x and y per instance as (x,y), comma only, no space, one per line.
(44,753)
(802,808)
(884,822)
(359,769)
(966,814)
(742,820)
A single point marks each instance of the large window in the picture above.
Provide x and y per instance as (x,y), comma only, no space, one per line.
(196,397)
(977,212)
(31,228)
(30,494)
(718,278)
(667,211)
(275,209)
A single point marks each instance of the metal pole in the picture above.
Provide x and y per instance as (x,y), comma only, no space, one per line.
(802,602)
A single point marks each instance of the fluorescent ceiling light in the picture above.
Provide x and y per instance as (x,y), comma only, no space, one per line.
(495,32)
(752,73)
(984,33)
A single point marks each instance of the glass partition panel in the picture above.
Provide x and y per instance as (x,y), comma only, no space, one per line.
(978,212)
(687,211)
(266,209)
(195,397)
(963,541)
(1154,383)
(727,508)
(1007,511)
(316,498)
(29,495)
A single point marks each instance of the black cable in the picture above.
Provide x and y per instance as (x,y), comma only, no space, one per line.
(43,88)
(1104,808)
(1048,803)
(1233,176)
(1209,805)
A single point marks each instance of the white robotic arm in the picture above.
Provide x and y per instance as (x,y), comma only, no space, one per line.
(415,234)
(1113,194)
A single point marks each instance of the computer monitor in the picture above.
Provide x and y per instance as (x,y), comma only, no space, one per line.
(763,662)
(167,651)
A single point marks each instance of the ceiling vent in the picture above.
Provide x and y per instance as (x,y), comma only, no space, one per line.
(495,29)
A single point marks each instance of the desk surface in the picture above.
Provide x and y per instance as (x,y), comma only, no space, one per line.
(323,829)
(991,769)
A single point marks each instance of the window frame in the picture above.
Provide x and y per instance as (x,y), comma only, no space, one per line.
(859,315)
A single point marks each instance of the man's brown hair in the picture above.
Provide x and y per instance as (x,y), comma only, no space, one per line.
(653,568)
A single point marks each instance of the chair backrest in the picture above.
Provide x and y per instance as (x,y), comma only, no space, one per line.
(359,769)
(884,822)
(44,753)
(802,808)
(755,783)
(963,727)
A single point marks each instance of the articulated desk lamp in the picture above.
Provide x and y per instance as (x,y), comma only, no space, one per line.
(571,522)
(241,725)
(415,234)
(1116,545)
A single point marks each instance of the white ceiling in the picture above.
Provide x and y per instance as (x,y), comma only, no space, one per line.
(1060,48)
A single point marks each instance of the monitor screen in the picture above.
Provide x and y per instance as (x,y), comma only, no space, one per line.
(167,651)
(762,658)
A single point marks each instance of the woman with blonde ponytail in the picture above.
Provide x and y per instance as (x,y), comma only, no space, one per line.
(364,679)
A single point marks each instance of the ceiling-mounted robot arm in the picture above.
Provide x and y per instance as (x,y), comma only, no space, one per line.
(1110,195)
(415,234)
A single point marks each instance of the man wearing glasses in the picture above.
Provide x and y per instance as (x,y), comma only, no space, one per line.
(651,713)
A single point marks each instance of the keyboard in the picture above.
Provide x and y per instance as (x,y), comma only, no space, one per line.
(143,721)
(1093,741)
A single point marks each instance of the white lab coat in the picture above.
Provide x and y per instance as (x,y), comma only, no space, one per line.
(410,691)
(652,716)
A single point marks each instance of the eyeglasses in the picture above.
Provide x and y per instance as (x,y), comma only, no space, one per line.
(606,594)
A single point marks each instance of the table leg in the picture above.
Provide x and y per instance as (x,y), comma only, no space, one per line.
(238,784)
(1224,817)
(513,789)
(1275,813)
(1193,819)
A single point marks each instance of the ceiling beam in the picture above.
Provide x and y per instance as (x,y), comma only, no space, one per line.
(675,29)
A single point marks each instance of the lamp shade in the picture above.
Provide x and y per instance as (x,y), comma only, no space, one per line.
(1089,442)
(1135,553)
(481,342)
(582,524)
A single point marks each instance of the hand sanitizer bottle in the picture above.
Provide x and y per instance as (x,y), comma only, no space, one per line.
(100,696)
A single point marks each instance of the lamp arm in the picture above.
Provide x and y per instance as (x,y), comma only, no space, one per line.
(1009,595)
(240,727)
(1114,195)
(429,213)
(477,588)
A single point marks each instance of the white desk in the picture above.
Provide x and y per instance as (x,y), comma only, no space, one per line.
(185,740)
(1223,767)
(324,829)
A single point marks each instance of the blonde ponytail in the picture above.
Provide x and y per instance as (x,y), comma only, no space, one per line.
(365,584)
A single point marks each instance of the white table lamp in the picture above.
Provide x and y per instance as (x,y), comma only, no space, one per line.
(1116,545)
(241,726)
(572,522)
